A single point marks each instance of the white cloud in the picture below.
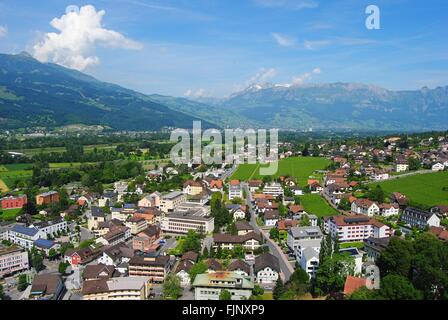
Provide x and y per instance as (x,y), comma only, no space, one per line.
(283,40)
(298,80)
(3,31)
(316,44)
(288,4)
(262,76)
(79,34)
(200,93)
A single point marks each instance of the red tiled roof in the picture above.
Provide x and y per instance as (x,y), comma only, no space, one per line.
(352,284)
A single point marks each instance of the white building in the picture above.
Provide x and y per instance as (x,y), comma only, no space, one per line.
(365,207)
(235,190)
(172,200)
(438,167)
(266,268)
(275,189)
(419,218)
(208,286)
(296,234)
(355,228)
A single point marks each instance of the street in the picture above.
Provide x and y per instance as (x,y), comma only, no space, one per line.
(285,266)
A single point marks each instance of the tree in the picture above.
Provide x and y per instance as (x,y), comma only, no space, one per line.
(171,287)
(205,253)
(279,289)
(397,258)
(414,164)
(305,221)
(395,287)
(326,248)
(2,292)
(430,266)
(364,294)
(376,194)
(196,269)
(299,283)
(52,254)
(274,233)
(37,261)
(258,290)
(331,275)
(344,204)
(238,252)
(63,267)
(192,242)
(22,283)
(225,295)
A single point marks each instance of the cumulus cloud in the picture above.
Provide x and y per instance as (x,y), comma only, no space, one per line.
(79,32)
(288,4)
(3,31)
(283,40)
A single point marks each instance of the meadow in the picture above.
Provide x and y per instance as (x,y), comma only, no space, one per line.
(315,204)
(301,168)
(427,189)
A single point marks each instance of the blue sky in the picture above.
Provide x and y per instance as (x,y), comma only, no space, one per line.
(216,47)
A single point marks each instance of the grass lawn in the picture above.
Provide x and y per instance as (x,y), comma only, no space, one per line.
(267,296)
(10,214)
(346,245)
(426,189)
(300,168)
(315,204)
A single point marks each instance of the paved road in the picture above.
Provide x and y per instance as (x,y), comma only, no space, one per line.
(285,266)
(228,173)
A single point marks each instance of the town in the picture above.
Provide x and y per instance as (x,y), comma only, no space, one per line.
(109,217)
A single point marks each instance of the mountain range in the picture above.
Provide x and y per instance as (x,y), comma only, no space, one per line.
(34,94)
(45,94)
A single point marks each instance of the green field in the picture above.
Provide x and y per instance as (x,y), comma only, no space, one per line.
(315,204)
(87,149)
(301,168)
(426,189)
(9,177)
(10,214)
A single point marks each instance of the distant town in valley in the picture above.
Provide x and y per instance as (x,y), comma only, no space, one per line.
(107,215)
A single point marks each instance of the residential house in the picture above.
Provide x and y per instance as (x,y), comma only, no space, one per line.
(266,268)
(438,167)
(271,218)
(275,189)
(243,227)
(136,224)
(156,268)
(193,188)
(250,241)
(240,267)
(418,218)
(13,202)
(365,207)
(145,239)
(235,190)
(47,198)
(208,286)
(47,287)
(388,210)
(297,234)
(124,288)
(96,217)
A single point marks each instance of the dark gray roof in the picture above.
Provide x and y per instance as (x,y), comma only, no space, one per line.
(266,260)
